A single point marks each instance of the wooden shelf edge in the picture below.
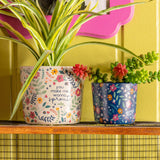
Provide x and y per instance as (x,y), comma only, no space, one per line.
(79,129)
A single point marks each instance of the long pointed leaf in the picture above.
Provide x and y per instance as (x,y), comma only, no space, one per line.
(18,35)
(54,32)
(31,19)
(7,13)
(90,17)
(97,43)
(22,43)
(28,81)
(40,10)
(32,31)
(56,9)
(33,10)
(80,18)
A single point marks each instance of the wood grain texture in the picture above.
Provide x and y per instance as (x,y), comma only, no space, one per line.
(137,129)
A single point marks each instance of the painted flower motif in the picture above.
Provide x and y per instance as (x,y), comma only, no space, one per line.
(98,110)
(78,92)
(80,71)
(128,104)
(114,101)
(78,114)
(77,120)
(32,115)
(27,101)
(113,87)
(109,97)
(120,110)
(135,88)
(135,116)
(57,109)
(27,119)
(68,115)
(101,120)
(39,100)
(120,71)
(101,84)
(132,91)
(44,112)
(81,85)
(36,75)
(54,71)
(60,78)
(115,117)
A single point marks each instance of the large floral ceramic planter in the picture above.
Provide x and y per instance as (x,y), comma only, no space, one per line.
(114,103)
(53,97)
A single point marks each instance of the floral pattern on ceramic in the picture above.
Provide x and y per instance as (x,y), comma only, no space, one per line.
(53,97)
(114,103)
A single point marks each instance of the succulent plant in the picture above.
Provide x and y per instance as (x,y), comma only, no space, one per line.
(131,71)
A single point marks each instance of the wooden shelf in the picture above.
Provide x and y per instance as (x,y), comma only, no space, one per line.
(139,128)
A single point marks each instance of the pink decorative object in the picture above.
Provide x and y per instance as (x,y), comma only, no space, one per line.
(103,27)
(107,26)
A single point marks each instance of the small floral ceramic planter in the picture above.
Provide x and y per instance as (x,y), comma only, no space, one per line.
(53,97)
(114,103)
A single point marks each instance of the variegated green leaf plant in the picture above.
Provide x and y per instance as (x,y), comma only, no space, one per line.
(52,40)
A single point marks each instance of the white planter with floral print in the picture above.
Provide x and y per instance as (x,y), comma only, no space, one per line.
(53,97)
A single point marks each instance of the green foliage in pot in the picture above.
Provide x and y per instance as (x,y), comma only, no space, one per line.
(132,71)
(52,40)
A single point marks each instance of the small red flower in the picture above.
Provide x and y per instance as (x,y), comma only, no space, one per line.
(78,114)
(36,75)
(27,101)
(60,78)
(32,115)
(135,88)
(80,71)
(113,87)
(78,92)
(115,117)
(98,110)
(120,71)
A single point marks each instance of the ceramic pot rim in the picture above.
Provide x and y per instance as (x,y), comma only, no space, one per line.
(47,67)
(114,83)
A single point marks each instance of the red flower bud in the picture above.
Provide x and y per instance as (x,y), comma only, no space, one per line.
(80,71)
(120,71)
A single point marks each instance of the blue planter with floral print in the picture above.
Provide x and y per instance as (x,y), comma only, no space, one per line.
(114,103)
